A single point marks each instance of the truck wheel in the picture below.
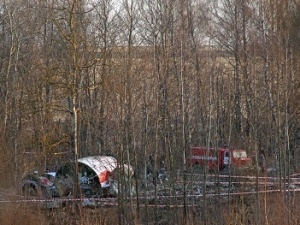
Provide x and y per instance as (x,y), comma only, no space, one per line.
(29,190)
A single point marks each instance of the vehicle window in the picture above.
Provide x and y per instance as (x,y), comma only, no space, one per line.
(240,154)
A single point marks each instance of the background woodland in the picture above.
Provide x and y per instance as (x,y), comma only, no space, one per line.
(136,79)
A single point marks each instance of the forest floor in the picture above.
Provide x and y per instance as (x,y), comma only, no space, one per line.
(212,202)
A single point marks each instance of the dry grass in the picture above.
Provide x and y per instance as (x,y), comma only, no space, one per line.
(16,214)
(271,209)
(12,214)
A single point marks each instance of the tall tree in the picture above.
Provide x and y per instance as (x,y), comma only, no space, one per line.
(70,24)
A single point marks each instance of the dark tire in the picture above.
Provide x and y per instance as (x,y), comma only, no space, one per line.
(29,190)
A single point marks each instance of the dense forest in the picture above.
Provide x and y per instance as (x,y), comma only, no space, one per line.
(135,79)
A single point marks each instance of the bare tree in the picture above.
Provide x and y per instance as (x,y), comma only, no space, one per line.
(69,20)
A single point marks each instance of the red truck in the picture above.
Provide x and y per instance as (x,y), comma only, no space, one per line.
(218,159)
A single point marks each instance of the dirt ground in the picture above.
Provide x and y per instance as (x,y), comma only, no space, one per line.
(275,208)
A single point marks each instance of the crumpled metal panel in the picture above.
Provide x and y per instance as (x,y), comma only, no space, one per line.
(99,163)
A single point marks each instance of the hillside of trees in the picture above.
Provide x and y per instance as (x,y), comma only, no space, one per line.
(141,78)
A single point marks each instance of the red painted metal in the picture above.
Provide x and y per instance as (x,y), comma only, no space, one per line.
(218,159)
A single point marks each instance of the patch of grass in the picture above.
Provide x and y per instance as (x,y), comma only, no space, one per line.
(271,209)
(12,214)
